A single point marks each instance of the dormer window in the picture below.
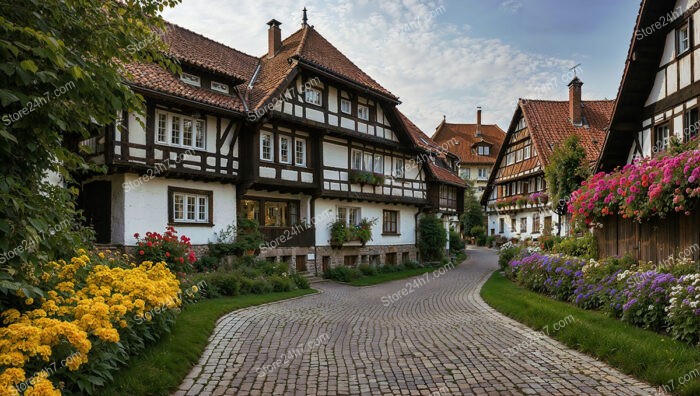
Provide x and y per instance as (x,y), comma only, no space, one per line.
(363,112)
(220,87)
(483,150)
(313,96)
(191,79)
(683,38)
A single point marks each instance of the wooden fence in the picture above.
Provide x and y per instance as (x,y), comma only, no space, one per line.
(654,240)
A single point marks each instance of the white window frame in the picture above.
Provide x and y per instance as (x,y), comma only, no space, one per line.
(288,141)
(197,139)
(363,112)
(367,166)
(356,155)
(191,79)
(344,102)
(526,152)
(399,168)
(685,28)
(313,96)
(483,174)
(518,155)
(200,214)
(271,146)
(378,164)
(347,213)
(299,160)
(219,87)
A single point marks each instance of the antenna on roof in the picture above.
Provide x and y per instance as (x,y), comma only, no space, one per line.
(304,19)
(575,69)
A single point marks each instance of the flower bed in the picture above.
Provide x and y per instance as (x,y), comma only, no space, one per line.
(88,313)
(657,299)
(648,187)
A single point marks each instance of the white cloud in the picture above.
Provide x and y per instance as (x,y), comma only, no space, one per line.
(435,67)
(512,5)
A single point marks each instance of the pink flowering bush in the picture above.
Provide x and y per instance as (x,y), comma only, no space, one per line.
(648,187)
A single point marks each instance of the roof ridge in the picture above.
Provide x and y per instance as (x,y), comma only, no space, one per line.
(213,41)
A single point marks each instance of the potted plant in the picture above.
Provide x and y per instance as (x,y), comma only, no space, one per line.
(339,234)
(363,231)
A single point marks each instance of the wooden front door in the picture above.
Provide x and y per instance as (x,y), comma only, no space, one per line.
(301,263)
(547,225)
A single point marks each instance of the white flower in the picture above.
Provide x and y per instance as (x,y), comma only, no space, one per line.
(651,307)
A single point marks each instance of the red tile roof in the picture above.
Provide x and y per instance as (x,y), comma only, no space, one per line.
(549,125)
(460,139)
(153,77)
(195,49)
(446,176)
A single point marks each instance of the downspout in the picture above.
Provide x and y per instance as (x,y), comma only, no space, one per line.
(415,231)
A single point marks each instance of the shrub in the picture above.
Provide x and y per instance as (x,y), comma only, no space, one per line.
(176,252)
(507,253)
(362,231)
(684,309)
(600,286)
(547,242)
(367,269)
(410,264)
(224,284)
(343,274)
(586,246)
(207,264)
(456,242)
(261,286)
(555,276)
(300,281)
(281,284)
(432,238)
(645,302)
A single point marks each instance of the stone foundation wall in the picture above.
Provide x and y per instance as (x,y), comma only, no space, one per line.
(352,256)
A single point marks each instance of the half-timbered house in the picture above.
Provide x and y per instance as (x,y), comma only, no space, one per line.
(516,197)
(295,139)
(658,95)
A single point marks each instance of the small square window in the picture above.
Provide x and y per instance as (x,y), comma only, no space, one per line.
(221,87)
(363,112)
(266,146)
(300,152)
(191,79)
(345,106)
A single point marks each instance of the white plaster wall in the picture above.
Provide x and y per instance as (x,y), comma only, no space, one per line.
(335,155)
(407,223)
(684,70)
(146,208)
(494,222)
(672,78)
(658,92)
(669,49)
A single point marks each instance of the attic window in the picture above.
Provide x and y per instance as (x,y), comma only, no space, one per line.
(484,150)
(363,112)
(220,87)
(191,79)
(313,96)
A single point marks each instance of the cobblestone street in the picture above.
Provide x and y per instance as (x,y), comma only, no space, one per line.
(439,339)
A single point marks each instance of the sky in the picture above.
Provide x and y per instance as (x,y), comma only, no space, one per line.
(446,57)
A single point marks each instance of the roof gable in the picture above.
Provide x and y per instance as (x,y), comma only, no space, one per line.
(461,139)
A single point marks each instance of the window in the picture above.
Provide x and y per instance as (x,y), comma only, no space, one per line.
(162,128)
(217,86)
(663,136)
(300,152)
(180,130)
(535,223)
(466,173)
(313,96)
(519,155)
(484,150)
(390,225)
(521,124)
(523,224)
(367,163)
(692,125)
(378,164)
(363,112)
(345,106)
(356,162)
(250,209)
(448,197)
(284,150)
(190,206)
(501,225)
(191,79)
(526,187)
(683,38)
(510,158)
(526,152)
(266,146)
(483,173)
(349,215)
(512,225)
(399,168)
(274,213)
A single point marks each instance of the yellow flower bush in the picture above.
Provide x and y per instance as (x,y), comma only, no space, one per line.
(87,301)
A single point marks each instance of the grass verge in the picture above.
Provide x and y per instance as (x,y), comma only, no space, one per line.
(163,366)
(649,356)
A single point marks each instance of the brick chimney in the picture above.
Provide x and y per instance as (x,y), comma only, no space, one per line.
(274,38)
(575,109)
(478,121)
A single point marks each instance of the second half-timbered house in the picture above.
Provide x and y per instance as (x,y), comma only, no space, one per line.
(296,139)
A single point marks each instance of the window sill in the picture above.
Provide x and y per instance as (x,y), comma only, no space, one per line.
(186,224)
(390,234)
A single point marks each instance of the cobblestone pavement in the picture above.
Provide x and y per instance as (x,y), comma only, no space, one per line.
(440,339)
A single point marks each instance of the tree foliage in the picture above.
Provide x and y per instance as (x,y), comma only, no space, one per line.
(473,213)
(566,170)
(432,239)
(62,67)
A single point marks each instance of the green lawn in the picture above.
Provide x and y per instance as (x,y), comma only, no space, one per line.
(643,354)
(162,367)
(390,276)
